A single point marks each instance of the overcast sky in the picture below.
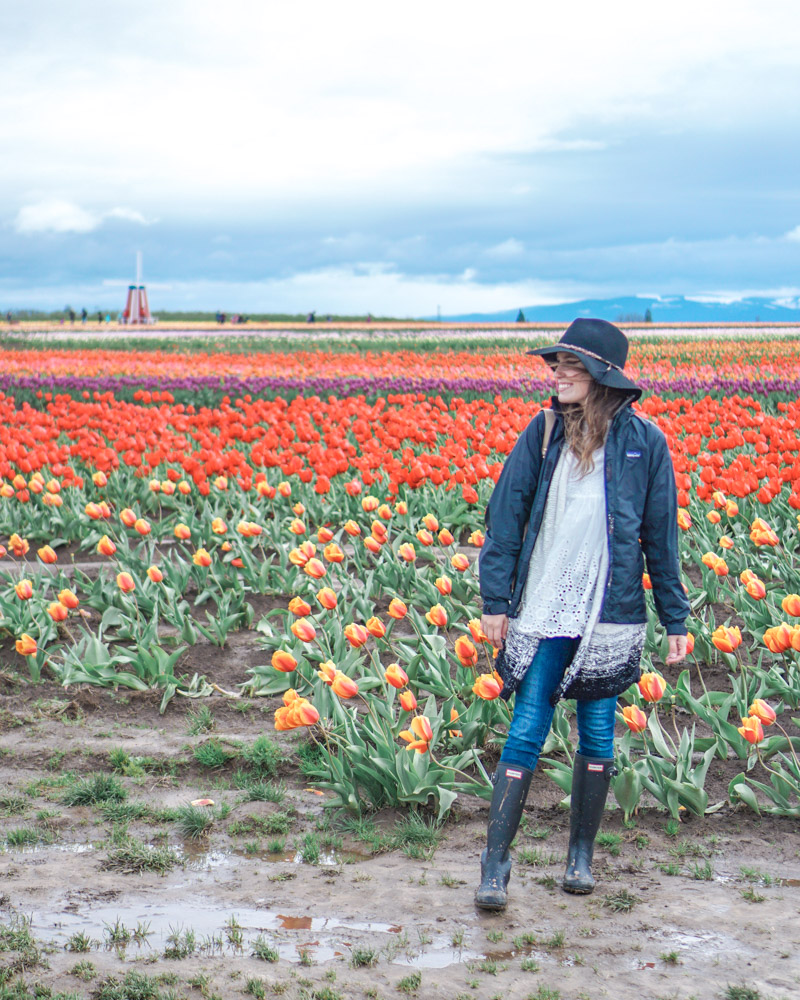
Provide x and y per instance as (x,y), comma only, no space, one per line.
(357,156)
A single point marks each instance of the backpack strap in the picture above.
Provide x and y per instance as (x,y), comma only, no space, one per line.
(549,422)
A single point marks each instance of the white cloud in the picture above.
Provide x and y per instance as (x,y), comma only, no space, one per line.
(56,216)
(508,248)
(793,234)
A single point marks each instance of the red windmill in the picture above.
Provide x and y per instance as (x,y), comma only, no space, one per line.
(137,308)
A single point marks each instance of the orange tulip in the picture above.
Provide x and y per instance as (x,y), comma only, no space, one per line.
(459,562)
(167,488)
(24,590)
(155,574)
(93,511)
(379,532)
(385,511)
(47,554)
(333,553)
(106,547)
(352,528)
(125,583)
(709,559)
(407,701)
(99,479)
(372,544)
(731,508)
(19,546)
(762,534)
(155,486)
(128,517)
(297,557)
(646,581)
(142,526)
(431,522)
(297,527)
(182,531)
(68,599)
(401,507)
(652,687)
(689,644)
(299,607)
(719,498)
(445,537)
(201,558)
(454,733)
(714,516)
(444,585)
(26,645)
(487,687)
(395,675)
(756,589)
(304,630)
(751,729)
(356,635)
(283,661)
(284,489)
(424,537)
(684,520)
(327,672)
(221,482)
(184,487)
(726,639)
(397,609)
(407,552)
(299,509)
(476,631)
(218,526)
(376,628)
(344,686)
(725,542)
(466,652)
(791,605)
(421,727)
(635,719)
(327,598)
(314,568)
(477,539)
(369,503)
(779,638)
(324,535)
(764,712)
(57,611)
(437,616)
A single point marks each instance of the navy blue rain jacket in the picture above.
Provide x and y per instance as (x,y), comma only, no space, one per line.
(641,521)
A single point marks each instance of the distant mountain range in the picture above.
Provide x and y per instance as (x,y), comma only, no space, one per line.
(634,308)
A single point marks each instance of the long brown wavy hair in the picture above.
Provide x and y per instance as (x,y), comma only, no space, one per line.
(586,424)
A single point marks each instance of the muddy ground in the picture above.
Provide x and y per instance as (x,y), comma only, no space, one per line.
(679,911)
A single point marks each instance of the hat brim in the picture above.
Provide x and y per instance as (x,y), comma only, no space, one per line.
(600,371)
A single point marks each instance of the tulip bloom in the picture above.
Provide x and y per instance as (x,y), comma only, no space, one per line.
(714,516)
(369,503)
(437,616)
(424,537)
(397,609)
(375,627)
(314,568)
(477,539)
(24,590)
(431,522)
(407,701)
(324,535)
(344,686)
(99,479)
(689,644)
(476,631)
(751,729)
(791,605)
(401,507)
(379,532)
(142,526)
(731,508)
(466,652)
(446,537)
(182,531)
(726,639)
(487,687)
(327,672)
(68,599)
(57,611)
(155,574)
(684,520)
(725,542)
(333,553)
(218,526)
(372,545)
(304,630)
(19,546)
(764,712)
(762,534)
(396,676)
(26,645)
(202,557)
(352,528)
(385,511)
(652,687)
(407,552)
(454,733)
(299,712)
(327,598)
(283,661)
(125,583)
(106,547)
(444,585)
(459,562)
(779,638)
(647,583)
(635,719)
(284,489)
(299,607)
(756,589)
(297,527)
(128,517)
(356,635)
(93,511)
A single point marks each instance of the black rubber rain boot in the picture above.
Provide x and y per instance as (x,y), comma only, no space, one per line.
(591,778)
(511,783)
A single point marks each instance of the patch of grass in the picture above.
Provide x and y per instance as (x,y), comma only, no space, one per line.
(95,789)
(133,986)
(540,832)
(366,832)
(258,790)
(79,942)
(16,936)
(117,934)
(672,828)
(670,957)
(263,757)
(529,965)
(311,758)
(494,936)
(450,881)
(704,872)
(610,841)
(457,938)
(672,868)
(212,754)
(27,836)
(123,812)
(545,993)
(84,970)
(13,805)
(685,848)
(621,901)
(256,988)
(742,993)
(756,875)
(263,949)
(135,857)
(548,881)
(233,932)
(277,822)
(521,940)
(310,847)
(489,966)
(416,836)
(363,958)
(194,821)
(200,720)
(180,943)
(410,984)
(751,895)
(556,941)
(535,857)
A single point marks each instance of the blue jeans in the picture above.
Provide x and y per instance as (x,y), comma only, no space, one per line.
(533,713)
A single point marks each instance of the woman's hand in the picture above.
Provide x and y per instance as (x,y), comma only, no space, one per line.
(677,648)
(496,627)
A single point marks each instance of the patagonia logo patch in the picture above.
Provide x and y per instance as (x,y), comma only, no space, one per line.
(633,454)
(594,767)
(513,774)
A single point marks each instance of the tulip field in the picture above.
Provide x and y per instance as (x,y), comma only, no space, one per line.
(239,592)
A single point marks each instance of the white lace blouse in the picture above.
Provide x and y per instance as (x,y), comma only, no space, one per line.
(570,558)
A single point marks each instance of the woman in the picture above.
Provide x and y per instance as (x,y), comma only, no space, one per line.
(586,495)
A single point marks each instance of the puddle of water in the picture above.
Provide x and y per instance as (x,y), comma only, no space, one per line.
(39,849)
(199,858)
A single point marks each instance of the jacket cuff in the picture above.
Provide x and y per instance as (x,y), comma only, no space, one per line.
(676,628)
(496,606)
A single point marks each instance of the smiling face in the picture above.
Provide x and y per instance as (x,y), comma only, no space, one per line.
(572,379)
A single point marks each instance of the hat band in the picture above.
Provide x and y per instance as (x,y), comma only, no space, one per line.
(591,354)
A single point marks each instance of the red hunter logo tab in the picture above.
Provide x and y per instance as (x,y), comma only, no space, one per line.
(594,767)
(513,774)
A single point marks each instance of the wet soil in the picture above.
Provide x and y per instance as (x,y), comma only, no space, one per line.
(676,913)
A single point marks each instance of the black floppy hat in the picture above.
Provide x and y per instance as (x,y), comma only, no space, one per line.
(601,347)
